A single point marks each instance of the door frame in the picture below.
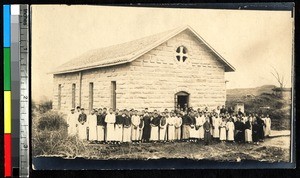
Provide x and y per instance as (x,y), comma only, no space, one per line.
(181,93)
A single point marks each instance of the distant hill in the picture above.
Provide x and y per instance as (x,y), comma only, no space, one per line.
(241,93)
(261,100)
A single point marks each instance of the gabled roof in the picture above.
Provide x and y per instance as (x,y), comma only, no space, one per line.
(129,51)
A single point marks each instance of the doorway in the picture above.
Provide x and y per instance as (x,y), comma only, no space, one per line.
(182,100)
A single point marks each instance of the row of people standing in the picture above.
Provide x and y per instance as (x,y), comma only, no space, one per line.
(132,126)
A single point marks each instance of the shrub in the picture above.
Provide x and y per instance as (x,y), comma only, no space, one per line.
(50,137)
(52,120)
(45,106)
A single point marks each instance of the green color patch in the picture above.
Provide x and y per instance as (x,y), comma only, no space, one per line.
(7,69)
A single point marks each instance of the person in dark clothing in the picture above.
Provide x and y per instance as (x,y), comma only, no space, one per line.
(206,127)
(154,123)
(261,125)
(223,110)
(230,110)
(240,131)
(101,126)
(186,122)
(255,132)
(126,127)
(147,127)
(119,127)
(240,112)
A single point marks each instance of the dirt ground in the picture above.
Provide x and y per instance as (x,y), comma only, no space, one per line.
(273,149)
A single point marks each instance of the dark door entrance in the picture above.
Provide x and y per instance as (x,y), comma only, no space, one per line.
(181,100)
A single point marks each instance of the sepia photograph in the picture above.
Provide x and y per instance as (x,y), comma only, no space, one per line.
(148,83)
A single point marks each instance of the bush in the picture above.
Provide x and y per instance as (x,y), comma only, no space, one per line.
(45,106)
(50,136)
(52,121)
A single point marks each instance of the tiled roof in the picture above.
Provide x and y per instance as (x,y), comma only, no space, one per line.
(125,52)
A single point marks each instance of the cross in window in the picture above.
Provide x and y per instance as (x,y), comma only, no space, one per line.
(181,54)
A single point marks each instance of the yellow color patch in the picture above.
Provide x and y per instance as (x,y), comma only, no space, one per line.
(7,111)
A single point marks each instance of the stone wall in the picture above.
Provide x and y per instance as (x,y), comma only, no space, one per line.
(152,80)
(158,76)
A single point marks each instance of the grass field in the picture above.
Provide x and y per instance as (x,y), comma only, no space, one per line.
(275,149)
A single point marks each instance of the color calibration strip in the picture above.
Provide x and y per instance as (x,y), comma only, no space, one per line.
(7,91)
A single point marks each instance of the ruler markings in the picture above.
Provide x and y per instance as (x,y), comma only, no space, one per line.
(24,102)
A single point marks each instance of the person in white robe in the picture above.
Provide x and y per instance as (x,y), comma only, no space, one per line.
(92,126)
(82,125)
(177,127)
(223,130)
(135,121)
(110,120)
(248,129)
(216,127)
(72,120)
(230,130)
(268,126)
(200,119)
(171,127)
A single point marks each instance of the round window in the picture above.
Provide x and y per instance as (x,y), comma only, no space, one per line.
(181,54)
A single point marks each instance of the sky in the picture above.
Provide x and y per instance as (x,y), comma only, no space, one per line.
(254,42)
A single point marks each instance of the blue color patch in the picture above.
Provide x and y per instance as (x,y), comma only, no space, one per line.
(6,26)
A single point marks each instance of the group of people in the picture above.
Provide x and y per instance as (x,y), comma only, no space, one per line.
(188,125)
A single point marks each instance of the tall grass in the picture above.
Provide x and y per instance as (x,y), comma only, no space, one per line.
(50,135)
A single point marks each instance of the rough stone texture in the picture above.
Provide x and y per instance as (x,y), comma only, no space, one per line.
(152,80)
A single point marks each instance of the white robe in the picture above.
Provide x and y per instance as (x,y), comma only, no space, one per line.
(72,121)
(163,131)
(268,126)
(119,132)
(127,134)
(230,131)
(135,120)
(199,123)
(92,124)
(82,134)
(171,128)
(223,131)
(110,120)
(216,130)
(100,133)
(177,132)
(154,133)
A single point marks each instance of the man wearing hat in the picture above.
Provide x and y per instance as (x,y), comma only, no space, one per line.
(71,121)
